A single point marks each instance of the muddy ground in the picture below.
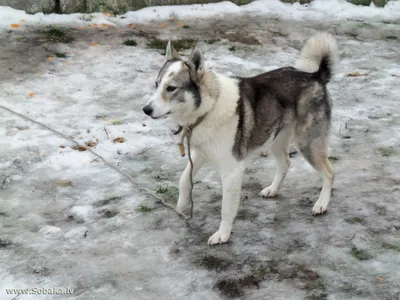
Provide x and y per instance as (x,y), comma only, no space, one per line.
(124,244)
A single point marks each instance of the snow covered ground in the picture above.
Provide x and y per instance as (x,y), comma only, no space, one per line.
(69,221)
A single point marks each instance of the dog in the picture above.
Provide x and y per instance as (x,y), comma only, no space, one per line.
(231,118)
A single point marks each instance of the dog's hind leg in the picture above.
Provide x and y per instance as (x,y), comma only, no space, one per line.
(318,158)
(312,140)
(279,149)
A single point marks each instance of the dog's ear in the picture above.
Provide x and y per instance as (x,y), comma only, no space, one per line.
(170,52)
(196,65)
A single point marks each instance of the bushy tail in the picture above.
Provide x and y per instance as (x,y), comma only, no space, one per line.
(318,56)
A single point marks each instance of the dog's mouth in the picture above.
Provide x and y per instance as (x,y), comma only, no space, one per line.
(164,116)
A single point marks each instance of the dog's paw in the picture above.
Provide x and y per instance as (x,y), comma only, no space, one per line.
(219,237)
(319,208)
(182,206)
(269,192)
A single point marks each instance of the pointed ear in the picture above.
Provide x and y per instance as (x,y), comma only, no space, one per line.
(196,65)
(170,52)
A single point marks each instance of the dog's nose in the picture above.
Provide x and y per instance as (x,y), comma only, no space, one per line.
(147,110)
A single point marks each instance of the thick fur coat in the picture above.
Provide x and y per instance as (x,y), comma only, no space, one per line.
(244,115)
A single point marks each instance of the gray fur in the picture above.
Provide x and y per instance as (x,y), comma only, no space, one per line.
(164,69)
(187,85)
(274,100)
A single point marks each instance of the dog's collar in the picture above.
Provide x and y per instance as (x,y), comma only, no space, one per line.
(187,133)
(190,127)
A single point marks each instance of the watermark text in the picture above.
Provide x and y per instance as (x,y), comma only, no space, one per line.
(41,291)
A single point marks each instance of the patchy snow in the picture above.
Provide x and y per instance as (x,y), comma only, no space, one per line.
(318,10)
(68,220)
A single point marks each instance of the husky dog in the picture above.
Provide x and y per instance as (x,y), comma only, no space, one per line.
(232,117)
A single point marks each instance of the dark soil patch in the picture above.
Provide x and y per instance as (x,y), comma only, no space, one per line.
(391,247)
(355,220)
(241,37)
(109,213)
(111,200)
(245,214)
(57,35)
(4,243)
(235,286)
(130,43)
(143,208)
(360,254)
(42,271)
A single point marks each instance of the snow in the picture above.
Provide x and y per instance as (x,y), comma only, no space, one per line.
(318,10)
(103,237)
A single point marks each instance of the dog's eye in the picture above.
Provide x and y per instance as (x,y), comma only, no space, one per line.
(171,88)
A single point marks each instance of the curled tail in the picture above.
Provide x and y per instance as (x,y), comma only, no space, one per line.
(318,56)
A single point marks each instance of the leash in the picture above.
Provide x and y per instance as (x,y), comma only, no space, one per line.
(138,186)
(187,133)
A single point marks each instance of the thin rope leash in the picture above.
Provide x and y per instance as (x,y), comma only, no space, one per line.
(184,216)
(188,137)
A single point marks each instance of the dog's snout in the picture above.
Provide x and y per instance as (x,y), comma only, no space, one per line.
(147,110)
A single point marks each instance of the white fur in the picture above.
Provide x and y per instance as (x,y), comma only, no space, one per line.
(161,107)
(315,48)
(213,140)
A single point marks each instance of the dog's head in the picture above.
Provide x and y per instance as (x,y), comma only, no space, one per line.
(178,88)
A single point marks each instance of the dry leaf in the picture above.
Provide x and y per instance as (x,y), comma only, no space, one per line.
(37,72)
(356,74)
(62,146)
(91,144)
(64,183)
(31,94)
(162,25)
(380,278)
(118,30)
(105,25)
(106,119)
(51,58)
(42,155)
(22,20)
(109,15)
(15,26)
(95,44)
(79,148)
(119,140)
(264,154)
(94,25)
(181,24)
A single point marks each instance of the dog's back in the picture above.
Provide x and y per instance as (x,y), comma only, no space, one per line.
(273,100)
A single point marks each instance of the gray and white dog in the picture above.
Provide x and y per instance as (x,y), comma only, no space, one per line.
(232,118)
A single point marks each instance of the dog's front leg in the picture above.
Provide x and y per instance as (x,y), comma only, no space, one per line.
(184,182)
(231,186)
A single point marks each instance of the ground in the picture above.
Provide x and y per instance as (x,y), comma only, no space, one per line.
(69,220)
